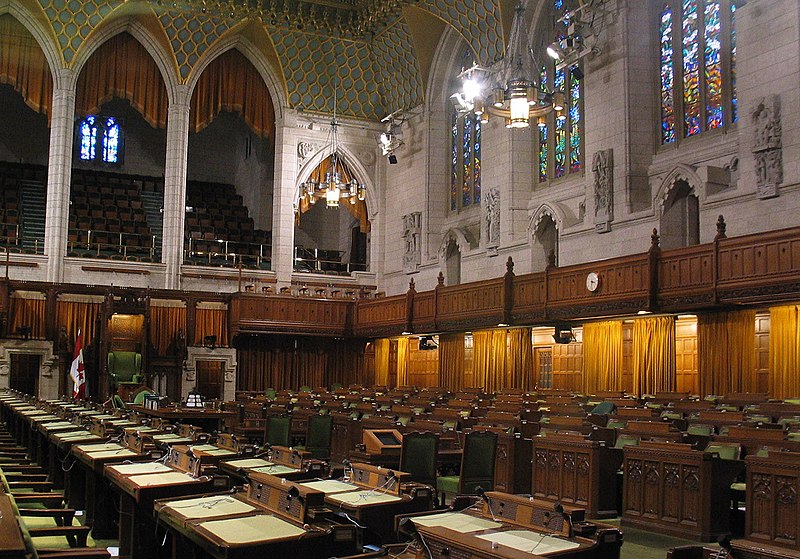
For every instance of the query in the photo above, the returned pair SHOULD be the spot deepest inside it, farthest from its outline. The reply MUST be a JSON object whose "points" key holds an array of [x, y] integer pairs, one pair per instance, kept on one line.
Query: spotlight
{"points": [[576, 72], [392, 159], [460, 103], [555, 51], [210, 342]]}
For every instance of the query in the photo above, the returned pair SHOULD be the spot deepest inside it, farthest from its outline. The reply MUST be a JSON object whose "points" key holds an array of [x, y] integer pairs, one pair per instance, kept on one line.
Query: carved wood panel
{"points": [[773, 506]]}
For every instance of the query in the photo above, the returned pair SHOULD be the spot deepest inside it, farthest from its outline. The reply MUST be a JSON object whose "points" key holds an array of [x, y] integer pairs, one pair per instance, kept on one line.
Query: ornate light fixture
{"points": [[334, 182], [513, 83]]}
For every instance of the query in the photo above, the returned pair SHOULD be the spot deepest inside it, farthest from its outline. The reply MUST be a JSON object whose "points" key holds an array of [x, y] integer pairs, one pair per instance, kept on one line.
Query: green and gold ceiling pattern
{"points": [[362, 48]]}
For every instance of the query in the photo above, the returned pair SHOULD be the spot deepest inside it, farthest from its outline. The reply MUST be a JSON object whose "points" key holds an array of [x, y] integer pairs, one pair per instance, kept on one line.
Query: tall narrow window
{"points": [[465, 154], [698, 42], [559, 141], [100, 140]]}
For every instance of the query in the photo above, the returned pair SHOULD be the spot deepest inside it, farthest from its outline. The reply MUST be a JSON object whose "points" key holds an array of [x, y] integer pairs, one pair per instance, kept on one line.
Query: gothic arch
{"points": [[272, 77], [678, 207], [680, 174], [141, 33], [546, 210], [460, 237], [544, 230], [44, 38]]}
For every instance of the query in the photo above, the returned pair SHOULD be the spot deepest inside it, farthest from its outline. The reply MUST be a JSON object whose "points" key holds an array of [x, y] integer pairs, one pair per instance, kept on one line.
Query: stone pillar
{"points": [[59, 174], [283, 200], [175, 187]]}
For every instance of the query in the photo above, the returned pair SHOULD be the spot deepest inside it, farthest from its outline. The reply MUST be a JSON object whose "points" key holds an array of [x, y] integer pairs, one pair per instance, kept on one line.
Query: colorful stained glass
{"points": [[691, 70], [111, 137], [88, 138], [734, 99], [466, 161], [667, 76], [715, 116], [454, 186], [543, 130], [476, 163], [560, 151], [574, 124]]}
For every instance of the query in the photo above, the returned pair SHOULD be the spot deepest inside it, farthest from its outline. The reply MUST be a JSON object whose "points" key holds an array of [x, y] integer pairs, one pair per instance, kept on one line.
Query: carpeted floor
{"points": [[639, 544]]}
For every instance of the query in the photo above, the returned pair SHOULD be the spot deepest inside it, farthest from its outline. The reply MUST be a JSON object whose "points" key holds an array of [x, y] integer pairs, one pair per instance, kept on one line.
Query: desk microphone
{"points": [[559, 508]]}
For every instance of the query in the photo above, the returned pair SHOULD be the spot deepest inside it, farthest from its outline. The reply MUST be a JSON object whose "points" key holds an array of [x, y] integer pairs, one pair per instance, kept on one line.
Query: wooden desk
{"points": [[576, 471], [515, 527], [672, 489], [12, 546], [210, 420]]}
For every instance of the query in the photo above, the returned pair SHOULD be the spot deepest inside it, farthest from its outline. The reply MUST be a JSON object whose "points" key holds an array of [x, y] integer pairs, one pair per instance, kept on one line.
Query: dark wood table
{"points": [[209, 420], [12, 546]]}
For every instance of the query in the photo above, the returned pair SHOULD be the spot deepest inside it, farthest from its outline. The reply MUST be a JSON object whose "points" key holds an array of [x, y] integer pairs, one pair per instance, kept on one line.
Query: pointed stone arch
{"points": [[678, 207], [544, 229], [44, 37], [455, 244]]}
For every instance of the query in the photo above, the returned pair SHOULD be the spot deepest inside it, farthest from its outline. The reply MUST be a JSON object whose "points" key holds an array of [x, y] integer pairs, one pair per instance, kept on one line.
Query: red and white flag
{"points": [[76, 371]]}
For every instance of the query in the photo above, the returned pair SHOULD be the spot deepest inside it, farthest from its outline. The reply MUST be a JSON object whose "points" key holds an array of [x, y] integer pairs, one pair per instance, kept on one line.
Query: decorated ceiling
{"points": [[376, 54]]}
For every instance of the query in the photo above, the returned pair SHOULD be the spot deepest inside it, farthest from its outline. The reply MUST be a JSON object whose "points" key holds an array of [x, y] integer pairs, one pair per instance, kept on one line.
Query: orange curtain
{"points": [[726, 352], [784, 351], [231, 83], [489, 360], [286, 362], [451, 361], [123, 68], [520, 358], [402, 361], [602, 356], [165, 322], [357, 210], [23, 65], [211, 322], [74, 315], [654, 355], [29, 313], [382, 361]]}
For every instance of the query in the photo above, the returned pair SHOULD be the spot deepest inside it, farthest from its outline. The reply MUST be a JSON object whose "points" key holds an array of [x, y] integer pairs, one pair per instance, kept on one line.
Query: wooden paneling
{"points": [[627, 357], [762, 352], [424, 312], [687, 378], [568, 366], [384, 316], [470, 305], [264, 314], [686, 275], [529, 296], [773, 508], [423, 366]]}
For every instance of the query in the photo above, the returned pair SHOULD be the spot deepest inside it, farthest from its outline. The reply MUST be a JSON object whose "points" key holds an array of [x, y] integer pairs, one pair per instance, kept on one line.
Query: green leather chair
{"points": [[138, 400], [125, 367], [277, 432], [318, 436], [477, 467], [418, 457]]}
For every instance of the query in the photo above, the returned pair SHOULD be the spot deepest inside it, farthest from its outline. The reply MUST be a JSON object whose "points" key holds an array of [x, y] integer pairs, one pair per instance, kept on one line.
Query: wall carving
{"points": [[767, 146], [412, 229], [603, 170], [195, 354], [492, 216], [48, 364]]}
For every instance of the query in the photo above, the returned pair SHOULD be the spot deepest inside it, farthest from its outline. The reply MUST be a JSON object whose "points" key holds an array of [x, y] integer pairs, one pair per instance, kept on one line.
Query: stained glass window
{"points": [[560, 136], [100, 139], [465, 152], [697, 39]]}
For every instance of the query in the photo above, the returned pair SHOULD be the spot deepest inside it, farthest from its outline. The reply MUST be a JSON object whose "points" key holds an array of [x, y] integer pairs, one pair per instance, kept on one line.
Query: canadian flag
{"points": [[76, 371]]}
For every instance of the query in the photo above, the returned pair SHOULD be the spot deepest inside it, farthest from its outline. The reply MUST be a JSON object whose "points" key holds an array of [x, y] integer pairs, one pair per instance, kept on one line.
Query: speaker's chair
{"points": [[125, 367]]}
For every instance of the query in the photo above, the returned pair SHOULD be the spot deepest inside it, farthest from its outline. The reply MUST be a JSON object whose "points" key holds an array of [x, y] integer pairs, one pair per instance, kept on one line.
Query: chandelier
{"points": [[332, 180], [510, 87]]}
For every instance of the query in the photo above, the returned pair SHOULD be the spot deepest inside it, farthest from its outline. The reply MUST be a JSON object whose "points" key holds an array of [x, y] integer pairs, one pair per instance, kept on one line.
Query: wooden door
{"points": [[210, 376], [25, 373]]}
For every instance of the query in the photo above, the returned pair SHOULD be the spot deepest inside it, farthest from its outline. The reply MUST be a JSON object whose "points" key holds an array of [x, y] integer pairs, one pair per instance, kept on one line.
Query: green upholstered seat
{"points": [[270, 393], [418, 457], [117, 402], [125, 367], [624, 440], [603, 408], [702, 430], [318, 436], [725, 451], [616, 424], [278, 431], [140, 396], [477, 466]]}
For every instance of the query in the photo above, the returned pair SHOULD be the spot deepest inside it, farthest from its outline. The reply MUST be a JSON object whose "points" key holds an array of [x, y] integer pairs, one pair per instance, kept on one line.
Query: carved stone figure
{"points": [[304, 150], [412, 256], [603, 170], [767, 146], [493, 217]]}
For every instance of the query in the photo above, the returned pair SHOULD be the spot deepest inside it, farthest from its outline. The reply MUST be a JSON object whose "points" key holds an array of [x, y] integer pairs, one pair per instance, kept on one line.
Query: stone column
{"points": [[283, 200], [175, 187], [59, 174]]}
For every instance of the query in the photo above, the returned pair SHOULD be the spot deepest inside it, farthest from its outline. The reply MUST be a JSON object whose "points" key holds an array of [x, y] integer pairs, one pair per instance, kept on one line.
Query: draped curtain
{"points": [[29, 313], [211, 322], [402, 362], [654, 355], [123, 68], [286, 362], [489, 359], [784, 352], [357, 210], [74, 315], [451, 361], [382, 362], [726, 352], [232, 83], [23, 65], [520, 358], [165, 322], [602, 356]]}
